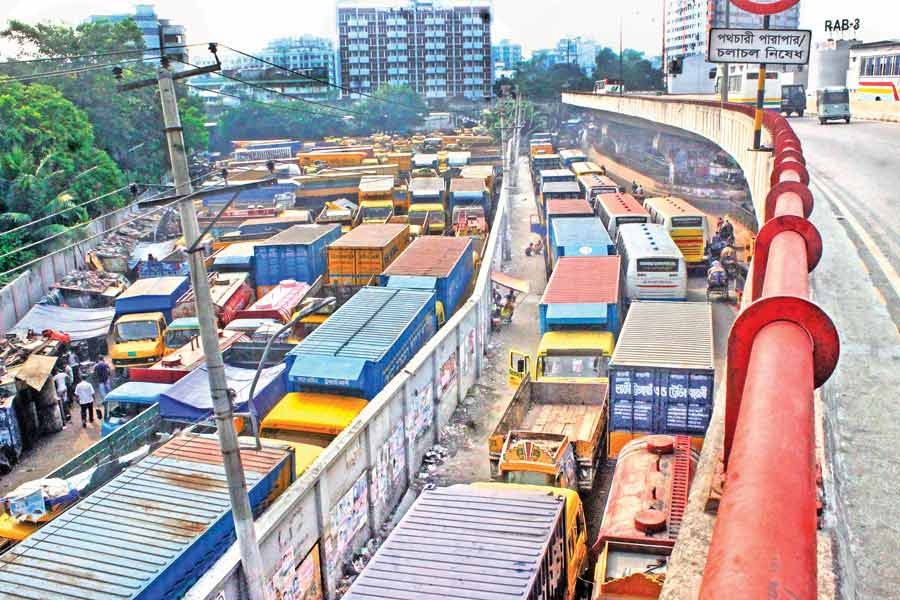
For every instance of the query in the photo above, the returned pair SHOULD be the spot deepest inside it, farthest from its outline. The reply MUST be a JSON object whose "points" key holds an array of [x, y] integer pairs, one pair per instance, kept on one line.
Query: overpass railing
{"points": [[781, 347]]}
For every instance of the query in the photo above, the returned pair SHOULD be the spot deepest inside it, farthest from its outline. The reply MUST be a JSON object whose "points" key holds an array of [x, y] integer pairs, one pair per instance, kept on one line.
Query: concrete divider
{"points": [[308, 536]]}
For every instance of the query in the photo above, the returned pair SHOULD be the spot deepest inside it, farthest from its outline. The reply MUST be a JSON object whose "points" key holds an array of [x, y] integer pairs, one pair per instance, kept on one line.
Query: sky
{"points": [[533, 23]]}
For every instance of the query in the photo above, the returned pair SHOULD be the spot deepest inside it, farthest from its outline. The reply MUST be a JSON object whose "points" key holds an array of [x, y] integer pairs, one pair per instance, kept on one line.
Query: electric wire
{"points": [[75, 71], [98, 54], [65, 210]]}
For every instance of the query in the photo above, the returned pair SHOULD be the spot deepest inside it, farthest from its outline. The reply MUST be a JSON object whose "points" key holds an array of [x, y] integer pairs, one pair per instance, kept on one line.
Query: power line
{"points": [[65, 210], [97, 54], [75, 71]]}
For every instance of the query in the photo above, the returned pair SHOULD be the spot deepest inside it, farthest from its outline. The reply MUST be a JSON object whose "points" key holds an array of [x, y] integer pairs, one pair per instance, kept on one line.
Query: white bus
{"points": [[616, 209], [652, 265]]}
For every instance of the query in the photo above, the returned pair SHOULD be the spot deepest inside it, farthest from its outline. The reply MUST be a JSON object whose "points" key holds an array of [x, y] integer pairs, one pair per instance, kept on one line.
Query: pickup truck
{"points": [[551, 434]]}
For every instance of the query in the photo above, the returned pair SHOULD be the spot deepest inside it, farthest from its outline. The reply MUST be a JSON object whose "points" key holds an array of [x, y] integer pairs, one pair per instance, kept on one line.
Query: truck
{"points": [[427, 202], [576, 236], [230, 293], [467, 193], [551, 433], [298, 253], [583, 294], [127, 401], [173, 366], [443, 265], [663, 388], [310, 418], [142, 313], [364, 253], [367, 341], [172, 522], [376, 199], [482, 540]]}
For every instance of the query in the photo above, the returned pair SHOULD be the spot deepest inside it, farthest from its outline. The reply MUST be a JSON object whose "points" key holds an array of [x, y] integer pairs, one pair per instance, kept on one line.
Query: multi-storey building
{"points": [[442, 49], [687, 24], [310, 71], [506, 55], [149, 23], [578, 51]]}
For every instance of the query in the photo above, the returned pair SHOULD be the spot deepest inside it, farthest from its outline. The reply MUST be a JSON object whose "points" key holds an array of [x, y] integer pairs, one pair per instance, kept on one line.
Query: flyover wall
{"points": [[759, 460]]}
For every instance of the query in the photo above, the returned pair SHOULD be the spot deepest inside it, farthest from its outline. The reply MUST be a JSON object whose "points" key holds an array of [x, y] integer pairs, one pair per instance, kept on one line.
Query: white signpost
{"points": [[767, 46]]}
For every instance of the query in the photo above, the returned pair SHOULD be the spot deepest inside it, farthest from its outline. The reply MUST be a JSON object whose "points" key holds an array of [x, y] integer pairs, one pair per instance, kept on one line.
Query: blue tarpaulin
{"points": [[189, 399]]}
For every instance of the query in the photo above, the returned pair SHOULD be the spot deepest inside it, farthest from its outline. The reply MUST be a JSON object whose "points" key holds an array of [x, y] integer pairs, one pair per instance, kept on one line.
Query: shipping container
{"points": [[159, 294], [279, 304], [297, 253], [576, 236], [428, 190], [149, 533], [662, 375], [466, 541], [443, 265], [583, 293], [367, 341], [230, 293], [238, 257], [273, 225], [365, 252]]}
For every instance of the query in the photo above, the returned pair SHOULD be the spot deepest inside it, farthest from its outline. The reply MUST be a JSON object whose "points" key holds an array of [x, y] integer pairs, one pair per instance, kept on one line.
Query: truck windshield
{"points": [[530, 478], [575, 366], [176, 338], [836, 97], [376, 213], [133, 331], [418, 217], [120, 412]]}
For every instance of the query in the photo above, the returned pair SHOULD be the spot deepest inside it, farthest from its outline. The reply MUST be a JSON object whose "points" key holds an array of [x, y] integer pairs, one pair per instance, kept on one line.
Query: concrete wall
{"points": [[347, 495], [19, 295], [731, 130]]}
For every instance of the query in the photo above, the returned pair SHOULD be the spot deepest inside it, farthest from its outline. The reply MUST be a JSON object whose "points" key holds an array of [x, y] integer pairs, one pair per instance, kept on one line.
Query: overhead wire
{"points": [[97, 54], [75, 71], [65, 210]]}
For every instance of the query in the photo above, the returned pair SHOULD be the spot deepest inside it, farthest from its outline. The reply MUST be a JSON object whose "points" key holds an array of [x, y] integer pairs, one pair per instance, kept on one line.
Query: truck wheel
{"points": [[800, 113], [847, 119], [821, 121]]}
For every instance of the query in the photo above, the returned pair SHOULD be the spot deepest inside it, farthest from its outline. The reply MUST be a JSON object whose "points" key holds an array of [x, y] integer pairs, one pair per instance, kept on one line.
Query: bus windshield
{"points": [[575, 366]]}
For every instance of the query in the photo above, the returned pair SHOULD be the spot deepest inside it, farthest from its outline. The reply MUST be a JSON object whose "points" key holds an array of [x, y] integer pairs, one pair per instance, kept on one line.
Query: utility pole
{"points": [[621, 60], [209, 338], [725, 66]]}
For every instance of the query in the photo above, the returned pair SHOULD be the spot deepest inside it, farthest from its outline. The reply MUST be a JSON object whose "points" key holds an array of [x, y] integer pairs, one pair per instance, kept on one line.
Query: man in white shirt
{"points": [[60, 385], [84, 393]]}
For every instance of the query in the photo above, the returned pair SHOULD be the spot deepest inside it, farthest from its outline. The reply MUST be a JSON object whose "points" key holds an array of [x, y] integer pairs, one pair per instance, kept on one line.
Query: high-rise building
{"points": [[310, 72], [149, 23], [578, 51], [506, 55], [442, 49], [687, 24]]}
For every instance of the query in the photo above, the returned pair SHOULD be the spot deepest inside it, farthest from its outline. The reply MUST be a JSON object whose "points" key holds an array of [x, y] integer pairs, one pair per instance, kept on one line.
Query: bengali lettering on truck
{"points": [[660, 401]]}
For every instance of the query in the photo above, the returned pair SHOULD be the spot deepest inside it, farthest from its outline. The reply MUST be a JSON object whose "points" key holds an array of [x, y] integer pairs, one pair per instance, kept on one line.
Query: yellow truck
{"points": [[310, 418], [377, 201], [427, 206]]}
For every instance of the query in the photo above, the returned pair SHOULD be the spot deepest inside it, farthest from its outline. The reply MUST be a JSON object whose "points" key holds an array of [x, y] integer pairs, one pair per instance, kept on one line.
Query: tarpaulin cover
{"points": [[513, 283], [78, 323], [189, 399], [36, 370]]}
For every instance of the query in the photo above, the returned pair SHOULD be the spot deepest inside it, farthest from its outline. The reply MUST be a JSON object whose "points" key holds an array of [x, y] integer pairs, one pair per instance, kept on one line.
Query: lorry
{"points": [[582, 294], [482, 540], [310, 418], [576, 236], [365, 252], [172, 367], [443, 265], [142, 312], [230, 292], [664, 388], [298, 254], [376, 199], [127, 401], [172, 522], [427, 203], [551, 433], [367, 341]]}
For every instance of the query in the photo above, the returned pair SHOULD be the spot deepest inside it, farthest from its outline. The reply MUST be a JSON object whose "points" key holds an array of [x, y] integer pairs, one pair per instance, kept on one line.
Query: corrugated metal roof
{"points": [[583, 280], [666, 334], [153, 286], [466, 184], [431, 256], [564, 206], [559, 187], [115, 542], [298, 234], [426, 185], [370, 235], [366, 326], [579, 230], [618, 204], [463, 542]]}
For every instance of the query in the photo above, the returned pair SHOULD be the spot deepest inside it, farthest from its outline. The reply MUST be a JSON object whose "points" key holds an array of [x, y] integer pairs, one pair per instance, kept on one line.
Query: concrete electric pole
{"points": [[209, 338]]}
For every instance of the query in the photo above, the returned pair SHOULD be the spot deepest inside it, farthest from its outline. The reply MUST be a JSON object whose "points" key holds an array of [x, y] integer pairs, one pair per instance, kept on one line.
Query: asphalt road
{"points": [[854, 177]]}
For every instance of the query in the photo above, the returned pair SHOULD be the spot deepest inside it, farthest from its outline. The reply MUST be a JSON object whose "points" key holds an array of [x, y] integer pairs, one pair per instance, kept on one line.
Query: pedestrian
{"points": [[70, 382], [84, 391], [101, 372], [61, 385]]}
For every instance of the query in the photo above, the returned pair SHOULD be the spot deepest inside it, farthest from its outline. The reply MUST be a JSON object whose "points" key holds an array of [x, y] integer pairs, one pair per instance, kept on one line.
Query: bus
{"points": [[652, 265], [686, 225], [569, 157], [543, 162], [617, 209], [586, 168], [593, 185], [874, 73]]}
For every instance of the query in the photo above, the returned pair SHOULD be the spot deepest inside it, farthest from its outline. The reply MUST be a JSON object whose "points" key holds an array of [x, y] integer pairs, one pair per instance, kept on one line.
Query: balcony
{"points": [[359, 72], [433, 21], [395, 34], [431, 70], [357, 22], [435, 82], [472, 45], [398, 71], [358, 47], [435, 58], [435, 46], [398, 81], [435, 33], [473, 33], [395, 22], [397, 59], [473, 57], [397, 46]]}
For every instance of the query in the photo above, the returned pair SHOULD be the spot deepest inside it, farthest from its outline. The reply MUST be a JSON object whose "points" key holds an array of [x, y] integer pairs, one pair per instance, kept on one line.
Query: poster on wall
{"points": [[468, 356], [388, 467], [420, 412], [345, 520], [307, 583], [448, 374]]}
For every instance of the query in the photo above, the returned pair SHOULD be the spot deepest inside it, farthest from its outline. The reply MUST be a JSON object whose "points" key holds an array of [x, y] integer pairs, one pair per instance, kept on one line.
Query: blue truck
{"points": [[662, 375], [367, 341], [577, 236], [443, 265], [127, 401], [158, 294], [298, 253], [149, 533]]}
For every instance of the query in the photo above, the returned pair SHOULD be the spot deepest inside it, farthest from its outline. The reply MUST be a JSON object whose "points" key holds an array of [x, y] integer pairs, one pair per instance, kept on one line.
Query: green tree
{"points": [[128, 125], [391, 109], [48, 162], [635, 69], [541, 82], [251, 120]]}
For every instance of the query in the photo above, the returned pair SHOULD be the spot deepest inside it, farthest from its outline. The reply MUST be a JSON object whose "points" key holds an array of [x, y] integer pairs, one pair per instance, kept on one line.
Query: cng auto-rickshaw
{"points": [[833, 103]]}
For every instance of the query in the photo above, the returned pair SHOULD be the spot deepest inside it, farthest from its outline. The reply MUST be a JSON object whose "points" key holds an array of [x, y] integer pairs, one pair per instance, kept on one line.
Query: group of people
{"points": [[71, 387], [503, 306], [636, 188], [723, 253]]}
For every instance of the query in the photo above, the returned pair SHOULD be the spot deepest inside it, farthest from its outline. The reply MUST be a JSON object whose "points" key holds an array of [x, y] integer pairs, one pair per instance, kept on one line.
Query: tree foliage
{"points": [[541, 82], [275, 120], [393, 109], [127, 125], [48, 162], [635, 69]]}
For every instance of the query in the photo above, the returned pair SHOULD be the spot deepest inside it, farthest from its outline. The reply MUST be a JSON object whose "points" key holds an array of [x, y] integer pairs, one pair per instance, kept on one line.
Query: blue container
{"points": [[149, 533], [443, 265], [594, 315], [298, 253], [367, 341], [579, 236], [659, 400], [127, 401], [157, 294]]}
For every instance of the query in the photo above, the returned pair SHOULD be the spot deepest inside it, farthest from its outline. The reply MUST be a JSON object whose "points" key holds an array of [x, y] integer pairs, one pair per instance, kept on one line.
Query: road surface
{"points": [[854, 179]]}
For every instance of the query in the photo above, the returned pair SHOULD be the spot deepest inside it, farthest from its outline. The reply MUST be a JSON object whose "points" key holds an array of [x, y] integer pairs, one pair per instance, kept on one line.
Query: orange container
{"points": [[365, 252]]}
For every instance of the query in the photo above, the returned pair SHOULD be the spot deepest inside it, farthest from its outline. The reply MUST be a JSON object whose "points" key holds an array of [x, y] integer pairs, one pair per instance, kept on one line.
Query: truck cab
{"points": [[137, 339], [180, 332], [427, 219], [539, 458], [376, 211], [310, 417], [793, 99], [567, 357]]}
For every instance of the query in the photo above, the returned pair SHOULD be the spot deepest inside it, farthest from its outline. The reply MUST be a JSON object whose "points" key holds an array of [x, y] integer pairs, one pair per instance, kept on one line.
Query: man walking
{"points": [[84, 393], [101, 372]]}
